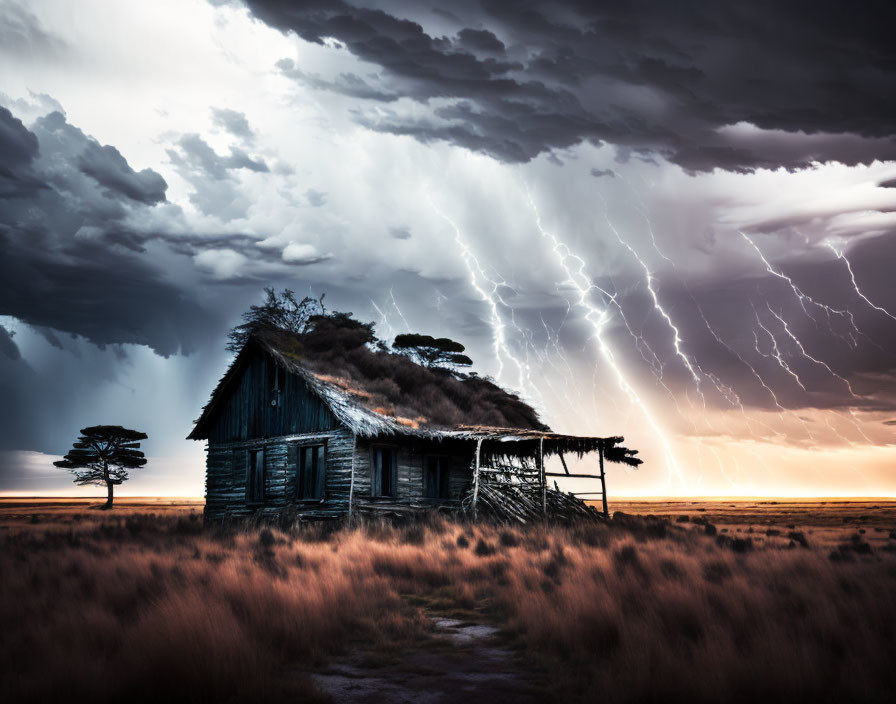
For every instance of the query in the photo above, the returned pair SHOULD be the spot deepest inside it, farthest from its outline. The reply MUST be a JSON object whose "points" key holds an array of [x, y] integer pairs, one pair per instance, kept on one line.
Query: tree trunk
{"points": [[108, 485]]}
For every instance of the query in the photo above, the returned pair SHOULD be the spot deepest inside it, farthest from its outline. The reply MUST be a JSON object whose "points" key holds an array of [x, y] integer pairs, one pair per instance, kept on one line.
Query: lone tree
{"points": [[103, 454], [432, 351], [279, 310]]}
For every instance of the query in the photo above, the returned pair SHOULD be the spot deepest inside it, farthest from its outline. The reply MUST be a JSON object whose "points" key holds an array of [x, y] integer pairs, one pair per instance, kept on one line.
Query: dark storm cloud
{"points": [[108, 167], [19, 148], [71, 258], [518, 79]]}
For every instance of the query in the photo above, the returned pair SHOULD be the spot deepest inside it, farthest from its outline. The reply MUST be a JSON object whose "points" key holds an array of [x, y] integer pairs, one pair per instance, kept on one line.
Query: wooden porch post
{"points": [[603, 481], [351, 486], [476, 477], [544, 484]]}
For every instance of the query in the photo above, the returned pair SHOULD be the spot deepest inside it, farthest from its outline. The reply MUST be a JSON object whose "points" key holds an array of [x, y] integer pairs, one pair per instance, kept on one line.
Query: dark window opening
{"points": [[255, 477], [311, 472], [384, 467], [435, 478]]}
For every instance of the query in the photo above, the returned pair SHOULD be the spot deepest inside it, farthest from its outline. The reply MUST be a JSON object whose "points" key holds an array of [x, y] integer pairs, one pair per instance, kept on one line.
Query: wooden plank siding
{"points": [[227, 471], [411, 455], [248, 412]]}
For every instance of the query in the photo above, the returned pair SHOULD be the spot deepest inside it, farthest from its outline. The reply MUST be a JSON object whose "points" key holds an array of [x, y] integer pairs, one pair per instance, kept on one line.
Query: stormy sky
{"points": [[670, 221]]}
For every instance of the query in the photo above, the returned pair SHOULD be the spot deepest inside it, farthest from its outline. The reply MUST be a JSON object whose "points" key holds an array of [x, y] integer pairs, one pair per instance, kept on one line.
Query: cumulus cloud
{"points": [[301, 253], [216, 189], [220, 263], [233, 121]]}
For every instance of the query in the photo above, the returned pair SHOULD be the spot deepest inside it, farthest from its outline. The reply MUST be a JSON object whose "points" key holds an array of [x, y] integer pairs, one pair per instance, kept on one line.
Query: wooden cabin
{"points": [[283, 435]]}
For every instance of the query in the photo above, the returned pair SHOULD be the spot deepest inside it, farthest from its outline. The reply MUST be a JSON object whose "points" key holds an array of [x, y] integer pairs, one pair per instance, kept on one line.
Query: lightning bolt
{"points": [[855, 285], [801, 296], [799, 346], [775, 351], [398, 310], [650, 281], [574, 268], [479, 280], [389, 329]]}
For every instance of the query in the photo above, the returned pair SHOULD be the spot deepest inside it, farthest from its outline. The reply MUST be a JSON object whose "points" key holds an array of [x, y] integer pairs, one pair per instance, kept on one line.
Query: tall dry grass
{"points": [[144, 607]]}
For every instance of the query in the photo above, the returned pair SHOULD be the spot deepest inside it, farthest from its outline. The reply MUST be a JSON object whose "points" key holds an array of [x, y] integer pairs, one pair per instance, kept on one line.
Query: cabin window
{"points": [[435, 478], [255, 477], [384, 470], [311, 472]]}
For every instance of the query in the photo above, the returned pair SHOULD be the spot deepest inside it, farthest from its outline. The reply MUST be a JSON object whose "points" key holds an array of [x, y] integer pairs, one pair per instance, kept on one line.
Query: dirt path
{"points": [[465, 663]]}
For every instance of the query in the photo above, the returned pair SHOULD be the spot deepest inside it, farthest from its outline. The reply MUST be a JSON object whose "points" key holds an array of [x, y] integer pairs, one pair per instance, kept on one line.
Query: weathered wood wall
{"points": [[226, 472], [248, 413], [409, 480], [227, 465]]}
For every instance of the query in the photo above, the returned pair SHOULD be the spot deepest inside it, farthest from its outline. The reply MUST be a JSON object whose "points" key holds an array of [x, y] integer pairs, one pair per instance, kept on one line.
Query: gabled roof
{"points": [[363, 389]]}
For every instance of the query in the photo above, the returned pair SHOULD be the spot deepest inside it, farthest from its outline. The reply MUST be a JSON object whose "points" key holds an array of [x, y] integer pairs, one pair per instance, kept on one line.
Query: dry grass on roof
{"points": [[340, 351]]}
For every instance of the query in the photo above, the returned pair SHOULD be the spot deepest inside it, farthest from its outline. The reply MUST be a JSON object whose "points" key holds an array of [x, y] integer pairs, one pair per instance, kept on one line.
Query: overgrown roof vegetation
{"points": [[425, 390]]}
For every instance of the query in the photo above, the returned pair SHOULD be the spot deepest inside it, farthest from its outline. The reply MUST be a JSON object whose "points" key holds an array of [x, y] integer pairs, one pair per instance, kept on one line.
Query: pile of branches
{"points": [[512, 502]]}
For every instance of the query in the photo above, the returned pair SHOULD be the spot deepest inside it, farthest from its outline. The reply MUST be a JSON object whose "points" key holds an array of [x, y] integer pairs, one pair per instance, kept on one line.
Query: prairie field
{"points": [[698, 601]]}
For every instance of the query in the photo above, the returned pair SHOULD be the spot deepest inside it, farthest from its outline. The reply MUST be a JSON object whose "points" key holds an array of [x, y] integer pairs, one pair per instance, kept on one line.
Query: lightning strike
{"points": [[598, 319], [398, 310], [775, 351], [805, 354], [802, 297], [490, 297], [855, 285]]}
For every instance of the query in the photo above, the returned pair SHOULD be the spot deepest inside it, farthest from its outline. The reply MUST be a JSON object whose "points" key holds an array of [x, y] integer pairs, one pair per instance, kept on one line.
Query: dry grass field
{"points": [[681, 601]]}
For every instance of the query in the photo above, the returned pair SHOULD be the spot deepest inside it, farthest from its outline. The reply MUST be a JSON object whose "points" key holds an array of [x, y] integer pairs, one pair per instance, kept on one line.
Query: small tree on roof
{"points": [[432, 351], [103, 454], [279, 310]]}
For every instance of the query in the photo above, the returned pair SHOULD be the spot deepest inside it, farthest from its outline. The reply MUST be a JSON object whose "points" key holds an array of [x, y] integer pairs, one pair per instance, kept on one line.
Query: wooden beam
{"points": [[563, 461], [544, 484], [581, 476], [476, 477], [351, 486], [603, 482]]}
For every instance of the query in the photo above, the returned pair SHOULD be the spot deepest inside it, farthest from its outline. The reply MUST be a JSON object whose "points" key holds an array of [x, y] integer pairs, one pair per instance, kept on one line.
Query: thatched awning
{"points": [[519, 442]]}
